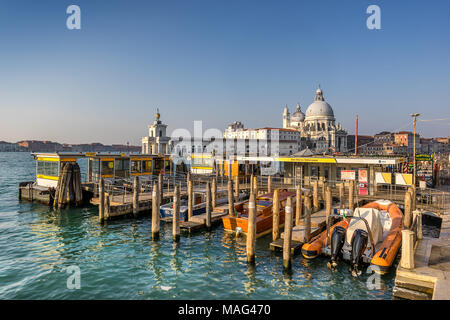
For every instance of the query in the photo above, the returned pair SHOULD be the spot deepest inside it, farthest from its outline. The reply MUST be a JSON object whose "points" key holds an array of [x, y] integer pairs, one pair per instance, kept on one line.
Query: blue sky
{"points": [[218, 61]]}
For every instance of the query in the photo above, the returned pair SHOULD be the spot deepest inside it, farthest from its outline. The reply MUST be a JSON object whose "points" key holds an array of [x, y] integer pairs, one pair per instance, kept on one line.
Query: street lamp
{"points": [[414, 115]]}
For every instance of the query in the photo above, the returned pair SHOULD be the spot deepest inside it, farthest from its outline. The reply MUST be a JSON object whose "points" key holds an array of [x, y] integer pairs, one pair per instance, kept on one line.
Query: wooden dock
{"points": [[318, 224]]}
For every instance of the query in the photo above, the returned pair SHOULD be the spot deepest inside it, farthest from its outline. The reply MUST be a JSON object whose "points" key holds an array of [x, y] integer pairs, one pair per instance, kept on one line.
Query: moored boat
{"points": [[369, 235], [198, 205], [264, 216]]}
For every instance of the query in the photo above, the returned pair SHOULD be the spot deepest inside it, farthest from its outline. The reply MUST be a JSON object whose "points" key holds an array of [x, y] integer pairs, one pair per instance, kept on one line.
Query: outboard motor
{"points": [[337, 242], [359, 244]]}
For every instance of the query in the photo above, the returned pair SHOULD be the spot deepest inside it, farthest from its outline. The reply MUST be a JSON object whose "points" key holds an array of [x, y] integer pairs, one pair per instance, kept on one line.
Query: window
{"points": [[147, 166], [47, 168], [136, 166], [107, 168]]}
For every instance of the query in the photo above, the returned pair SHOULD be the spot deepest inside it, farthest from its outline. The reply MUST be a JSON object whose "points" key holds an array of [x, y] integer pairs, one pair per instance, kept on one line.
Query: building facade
{"points": [[317, 126]]}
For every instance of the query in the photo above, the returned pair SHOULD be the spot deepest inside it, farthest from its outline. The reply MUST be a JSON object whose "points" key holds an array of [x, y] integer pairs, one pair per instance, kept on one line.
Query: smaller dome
{"points": [[298, 115]]}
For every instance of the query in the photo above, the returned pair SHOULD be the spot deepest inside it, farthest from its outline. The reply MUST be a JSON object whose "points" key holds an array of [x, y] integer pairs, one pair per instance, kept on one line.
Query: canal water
{"points": [[39, 247]]}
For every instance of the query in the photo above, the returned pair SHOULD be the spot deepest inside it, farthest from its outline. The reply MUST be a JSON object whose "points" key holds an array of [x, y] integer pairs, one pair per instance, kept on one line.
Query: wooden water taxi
{"points": [[264, 216]]}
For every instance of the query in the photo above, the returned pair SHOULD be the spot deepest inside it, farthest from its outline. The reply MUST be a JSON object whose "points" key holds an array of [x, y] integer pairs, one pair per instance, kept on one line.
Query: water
{"points": [[119, 260]]}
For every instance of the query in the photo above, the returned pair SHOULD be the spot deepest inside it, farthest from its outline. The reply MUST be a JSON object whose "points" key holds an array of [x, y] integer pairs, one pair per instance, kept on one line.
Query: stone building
{"points": [[157, 142], [317, 126]]}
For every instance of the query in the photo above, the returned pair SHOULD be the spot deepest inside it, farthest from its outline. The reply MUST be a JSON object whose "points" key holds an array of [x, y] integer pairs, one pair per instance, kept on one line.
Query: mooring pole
{"points": [[176, 214], [307, 218], [316, 196], [276, 215], [328, 200], [155, 212], [136, 196], [351, 192], [407, 218], [298, 205], [251, 231], [214, 192], [208, 205], [230, 198], [101, 204], [287, 234]]}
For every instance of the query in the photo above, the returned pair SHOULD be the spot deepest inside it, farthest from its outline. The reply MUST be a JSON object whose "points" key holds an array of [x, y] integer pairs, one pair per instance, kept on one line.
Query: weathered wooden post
{"points": [[176, 214], [230, 198], [269, 184], [407, 259], [155, 212], [324, 190], [351, 191], [251, 183], [341, 195], [307, 218], [316, 196], [101, 196], [276, 215], [255, 186], [251, 231], [136, 188], [208, 205], [236, 188], [407, 219], [287, 234], [160, 189], [214, 193], [328, 208], [417, 215], [107, 206], [190, 199], [298, 205]]}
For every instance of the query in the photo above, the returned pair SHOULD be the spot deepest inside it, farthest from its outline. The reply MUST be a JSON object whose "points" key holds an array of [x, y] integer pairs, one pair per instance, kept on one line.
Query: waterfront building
{"points": [[157, 142]]}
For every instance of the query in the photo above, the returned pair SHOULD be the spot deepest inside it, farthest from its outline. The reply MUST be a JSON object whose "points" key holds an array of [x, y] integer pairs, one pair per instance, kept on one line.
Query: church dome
{"points": [[319, 108], [298, 115]]}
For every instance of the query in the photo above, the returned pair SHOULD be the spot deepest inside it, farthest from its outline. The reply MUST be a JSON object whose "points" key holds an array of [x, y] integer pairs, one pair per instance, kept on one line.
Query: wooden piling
{"points": [[190, 200], [230, 198], [407, 219], [251, 231], [328, 208], [160, 188], [101, 205], [287, 234], [107, 206], [176, 214], [276, 215], [298, 205], [269, 184], [341, 195], [155, 211], [255, 186], [407, 259], [351, 192], [214, 192], [307, 218], [316, 196], [136, 188], [236, 188], [417, 215], [208, 205]]}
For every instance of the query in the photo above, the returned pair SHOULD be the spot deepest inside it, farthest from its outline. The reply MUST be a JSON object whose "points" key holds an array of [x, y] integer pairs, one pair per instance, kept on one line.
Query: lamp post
{"points": [[414, 115]]}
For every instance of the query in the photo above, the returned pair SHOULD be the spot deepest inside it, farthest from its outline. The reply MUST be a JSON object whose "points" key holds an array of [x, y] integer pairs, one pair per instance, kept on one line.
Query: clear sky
{"points": [[218, 61]]}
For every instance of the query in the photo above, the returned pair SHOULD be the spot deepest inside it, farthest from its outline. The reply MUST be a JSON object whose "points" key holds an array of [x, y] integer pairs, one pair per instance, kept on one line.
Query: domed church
{"points": [[317, 126]]}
